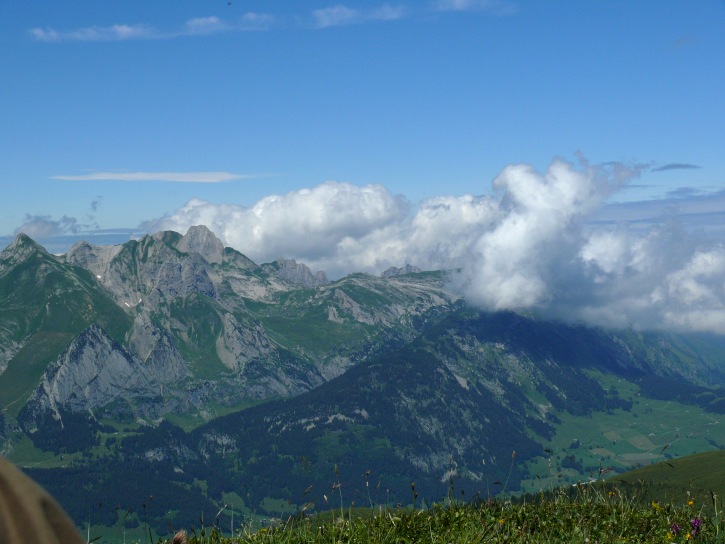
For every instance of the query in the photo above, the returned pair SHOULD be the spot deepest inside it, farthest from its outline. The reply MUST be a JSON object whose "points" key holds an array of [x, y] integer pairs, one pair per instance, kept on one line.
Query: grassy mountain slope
{"points": [[43, 306], [695, 477]]}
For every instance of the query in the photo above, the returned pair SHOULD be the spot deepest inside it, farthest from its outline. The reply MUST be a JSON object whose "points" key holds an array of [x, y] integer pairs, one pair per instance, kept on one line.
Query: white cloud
{"points": [[342, 15], [460, 5], [44, 226], [180, 177], [539, 226], [310, 223], [256, 21], [205, 25], [197, 26], [341, 228], [532, 247], [499, 7], [97, 33], [387, 12], [335, 16]]}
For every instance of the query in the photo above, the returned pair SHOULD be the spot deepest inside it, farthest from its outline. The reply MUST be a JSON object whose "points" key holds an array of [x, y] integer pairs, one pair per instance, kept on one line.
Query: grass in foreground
{"points": [[586, 514]]}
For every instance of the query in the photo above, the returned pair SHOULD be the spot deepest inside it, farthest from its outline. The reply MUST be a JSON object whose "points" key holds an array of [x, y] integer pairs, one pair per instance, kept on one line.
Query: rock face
{"points": [[152, 266], [299, 273], [19, 251], [93, 373], [239, 344], [201, 240], [393, 272]]}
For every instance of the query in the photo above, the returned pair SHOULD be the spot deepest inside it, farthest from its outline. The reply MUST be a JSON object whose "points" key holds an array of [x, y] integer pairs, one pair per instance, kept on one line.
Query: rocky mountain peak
{"points": [[199, 239], [23, 244], [20, 250]]}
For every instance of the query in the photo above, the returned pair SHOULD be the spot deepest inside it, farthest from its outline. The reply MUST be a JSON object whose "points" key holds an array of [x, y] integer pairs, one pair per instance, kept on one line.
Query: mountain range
{"points": [[258, 388]]}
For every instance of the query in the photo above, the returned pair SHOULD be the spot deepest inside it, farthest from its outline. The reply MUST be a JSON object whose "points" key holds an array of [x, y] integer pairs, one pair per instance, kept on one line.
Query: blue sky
{"points": [[131, 116]]}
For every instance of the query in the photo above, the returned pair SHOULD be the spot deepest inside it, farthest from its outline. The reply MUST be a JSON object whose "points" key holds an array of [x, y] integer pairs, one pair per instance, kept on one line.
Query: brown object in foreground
{"points": [[28, 514]]}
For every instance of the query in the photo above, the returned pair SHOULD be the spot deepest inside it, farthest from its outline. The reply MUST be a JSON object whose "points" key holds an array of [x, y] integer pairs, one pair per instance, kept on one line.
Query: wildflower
{"points": [[500, 522], [656, 506], [675, 529], [690, 502], [695, 524]]}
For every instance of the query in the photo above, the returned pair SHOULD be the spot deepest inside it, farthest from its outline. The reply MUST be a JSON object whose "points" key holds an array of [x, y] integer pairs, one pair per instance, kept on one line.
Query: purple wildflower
{"points": [[695, 524], [675, 529]]}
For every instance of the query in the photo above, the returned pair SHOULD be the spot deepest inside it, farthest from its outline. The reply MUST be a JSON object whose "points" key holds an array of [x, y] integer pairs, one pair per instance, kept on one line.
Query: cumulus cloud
{"points": [[180, 177], [544, 255], [310, 223], [541, 242]]}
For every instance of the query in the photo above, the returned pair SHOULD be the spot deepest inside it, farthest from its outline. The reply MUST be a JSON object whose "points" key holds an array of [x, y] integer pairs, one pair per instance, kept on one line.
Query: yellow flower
{"points": [[688, 536], [690, 503], [500, 522], [656, 506]]}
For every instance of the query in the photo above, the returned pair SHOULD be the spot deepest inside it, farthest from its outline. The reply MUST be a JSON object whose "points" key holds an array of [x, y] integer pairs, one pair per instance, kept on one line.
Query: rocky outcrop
{"points": [[347, 306], [393, 272], [95, 372], [95, 259], [240, 344], [298, 273]]}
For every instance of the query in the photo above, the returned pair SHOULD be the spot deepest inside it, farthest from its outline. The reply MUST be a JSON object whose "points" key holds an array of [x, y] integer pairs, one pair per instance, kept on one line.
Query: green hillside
{"points": [[695, 477], [44, 304]]}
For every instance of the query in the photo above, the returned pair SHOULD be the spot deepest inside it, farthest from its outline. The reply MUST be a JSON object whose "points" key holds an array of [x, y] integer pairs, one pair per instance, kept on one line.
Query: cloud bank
{"points": [[538, 244]]}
